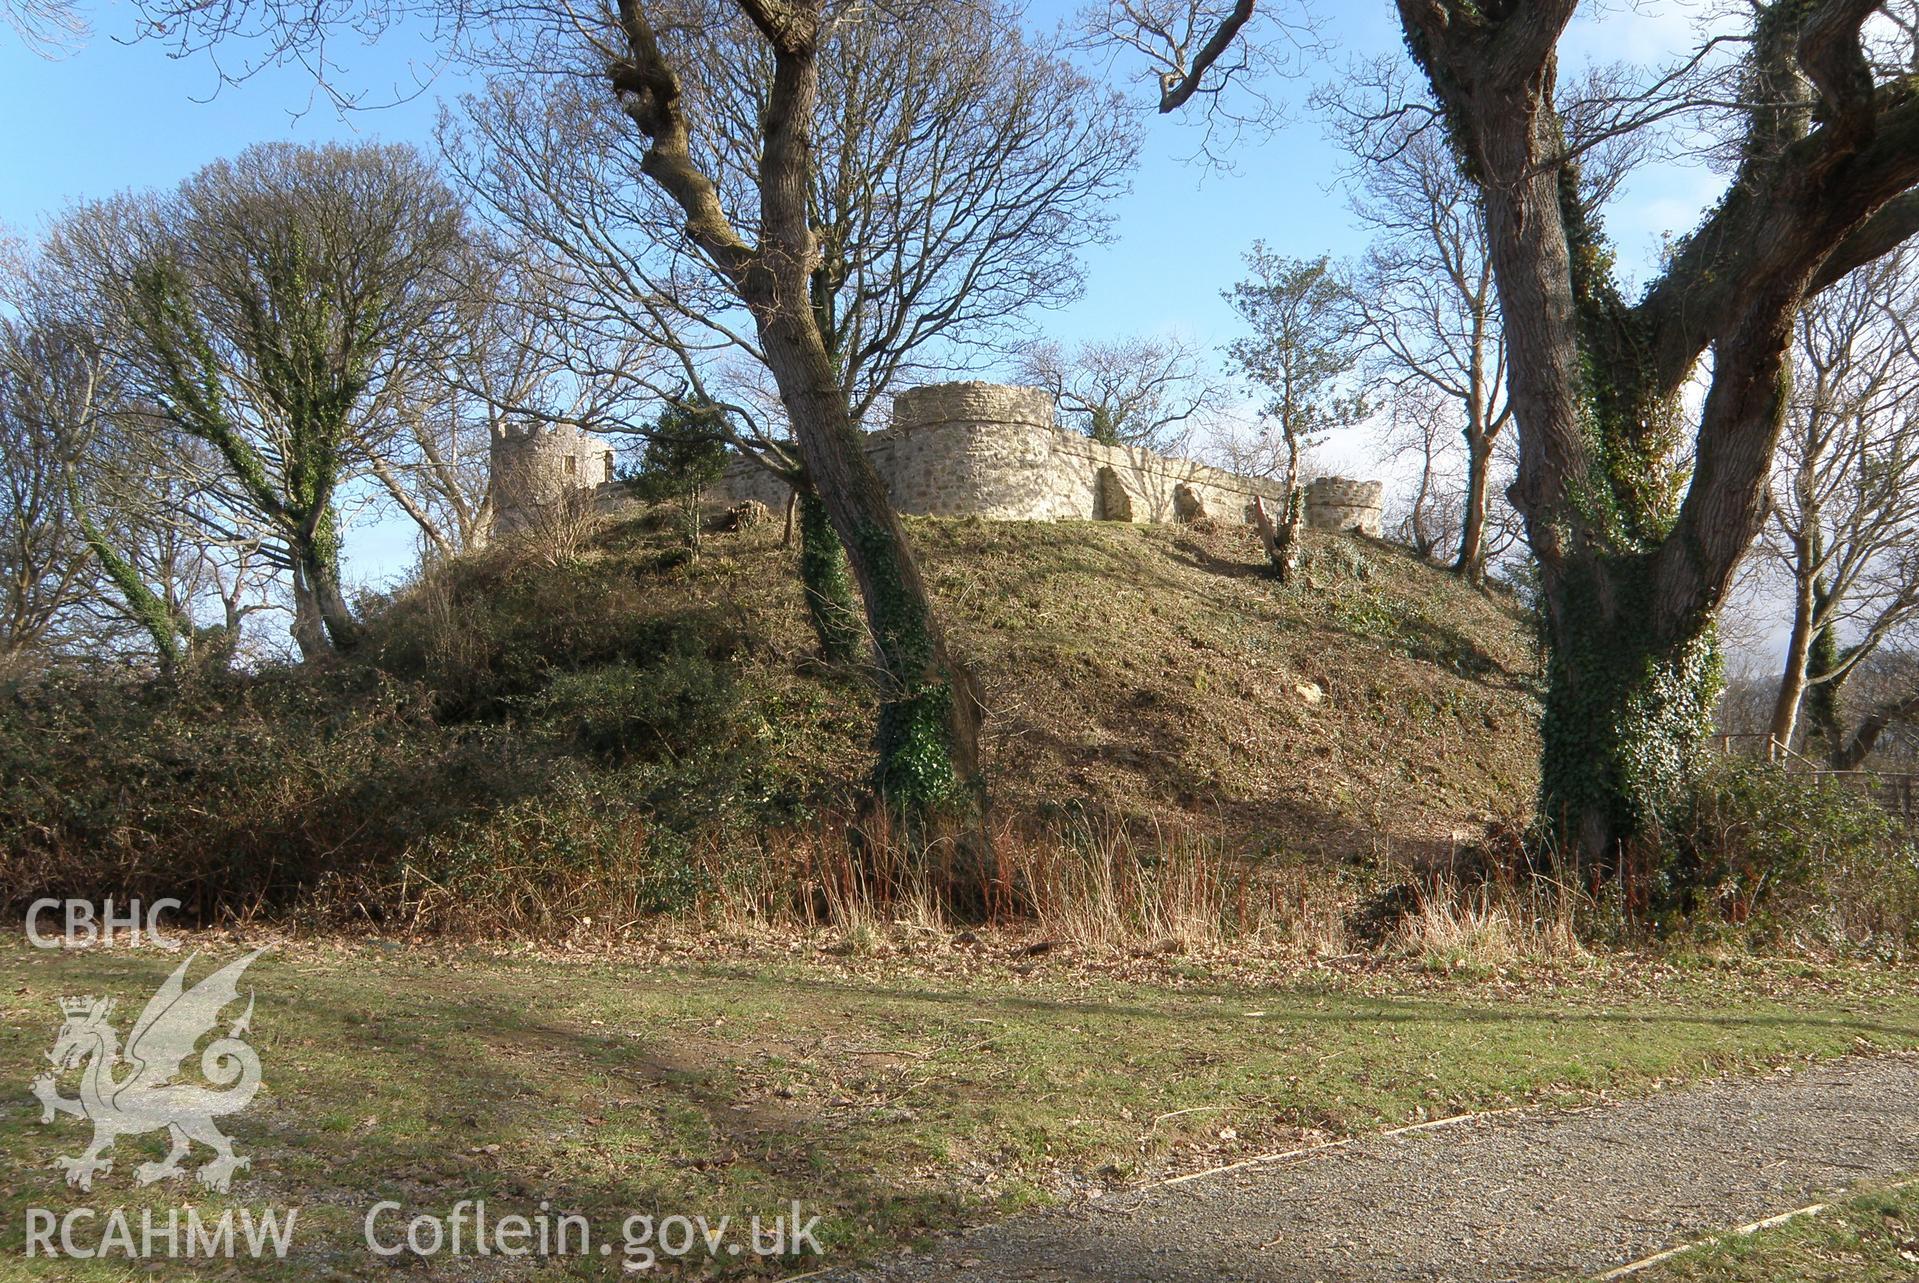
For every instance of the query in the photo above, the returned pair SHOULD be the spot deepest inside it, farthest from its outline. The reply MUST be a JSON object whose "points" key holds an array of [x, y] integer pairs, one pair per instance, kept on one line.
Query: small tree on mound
{"points": [[1302, 352], [684, 454]]}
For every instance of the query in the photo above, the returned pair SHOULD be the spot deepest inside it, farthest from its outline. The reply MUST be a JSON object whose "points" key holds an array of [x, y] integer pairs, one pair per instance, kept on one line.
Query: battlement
{"points": [[991, 450], [972, 402], [966, 449]]}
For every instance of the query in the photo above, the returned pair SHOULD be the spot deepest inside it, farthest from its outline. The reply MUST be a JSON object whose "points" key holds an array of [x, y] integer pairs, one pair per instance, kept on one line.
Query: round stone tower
{"points": [[973, 401], [1340, 503], [983, 449]]}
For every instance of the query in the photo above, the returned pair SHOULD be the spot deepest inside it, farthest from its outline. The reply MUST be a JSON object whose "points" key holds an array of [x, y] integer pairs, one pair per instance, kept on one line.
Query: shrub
{"points": [[686, 451], [234, 798], [518, 742], [489, 635], [1789, 852], [677, 696], [580, 850]]}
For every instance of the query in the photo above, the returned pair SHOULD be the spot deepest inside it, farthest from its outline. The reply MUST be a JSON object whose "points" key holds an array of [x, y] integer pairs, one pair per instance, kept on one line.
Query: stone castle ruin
{"points": [[982, 450], [537, 470]]}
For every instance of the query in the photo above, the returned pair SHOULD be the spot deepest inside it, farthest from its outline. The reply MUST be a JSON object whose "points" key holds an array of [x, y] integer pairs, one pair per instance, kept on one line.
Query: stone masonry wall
{"points": [[988, 450], [534, 467]]}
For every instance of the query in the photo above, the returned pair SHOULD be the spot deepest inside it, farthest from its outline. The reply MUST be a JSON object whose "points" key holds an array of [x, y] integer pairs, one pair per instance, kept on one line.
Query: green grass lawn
{"points": [[890, 1098], [1871, 1237]]}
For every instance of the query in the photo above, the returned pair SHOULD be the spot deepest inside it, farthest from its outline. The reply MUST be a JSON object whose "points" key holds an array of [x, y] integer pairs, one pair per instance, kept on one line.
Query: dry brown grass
{"points": [[1488, 926], [1158, 677], [1102, 890], [1184, 756]]}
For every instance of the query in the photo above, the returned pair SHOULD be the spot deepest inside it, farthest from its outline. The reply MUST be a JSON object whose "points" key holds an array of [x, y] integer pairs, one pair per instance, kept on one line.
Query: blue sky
{"points": [[112, 115]]}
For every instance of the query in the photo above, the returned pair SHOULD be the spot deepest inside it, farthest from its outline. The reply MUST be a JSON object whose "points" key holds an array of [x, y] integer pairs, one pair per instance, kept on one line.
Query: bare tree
{"points": [[1845, 523], [969, 165], [767, 253], [1420, 435], [832, 196], [46, 571], [756, 244], [1147, 390], [48, 27], [182, 574], [1426, 308], [1637, 518], [1302, 354], [1877, 720], [1226, 53], [434, 467], [503, 359], [1635, 559], [67, 411], [131, 501]]}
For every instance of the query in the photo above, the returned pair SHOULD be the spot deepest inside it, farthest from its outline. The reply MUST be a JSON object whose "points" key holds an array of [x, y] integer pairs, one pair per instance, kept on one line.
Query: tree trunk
{"points": [[1285, 550], [319, 554], [928, 738], [1423, 540], [1281, 538], [215, 647], [1851, 753], [1471, 562], [1625, 715], [1792, 678], [830, 605], [323, 581], [163, 627], [928, 735], [930, 712], [1823, 689], [1635, 561], [309, 629]]}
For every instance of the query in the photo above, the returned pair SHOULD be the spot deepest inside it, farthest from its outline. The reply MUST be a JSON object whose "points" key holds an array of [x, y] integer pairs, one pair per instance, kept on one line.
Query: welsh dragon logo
{"points": [[145, 1098]]}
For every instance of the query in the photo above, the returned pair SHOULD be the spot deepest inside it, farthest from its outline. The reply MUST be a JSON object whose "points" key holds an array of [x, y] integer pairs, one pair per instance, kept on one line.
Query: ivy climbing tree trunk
{"points": [[1825, 678], [1849, 751], [309, 629], [1635, 557], [290, 485], [319, 551], [164, 627], [929, 723], [830, 604], [278, 303]]}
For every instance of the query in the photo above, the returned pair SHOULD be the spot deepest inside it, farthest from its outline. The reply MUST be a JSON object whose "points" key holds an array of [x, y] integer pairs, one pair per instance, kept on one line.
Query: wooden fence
{"points": [[1897, 791]]}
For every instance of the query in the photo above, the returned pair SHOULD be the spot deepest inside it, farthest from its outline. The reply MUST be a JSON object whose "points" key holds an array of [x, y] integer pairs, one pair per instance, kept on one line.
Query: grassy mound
{"points": [[625, 730]]}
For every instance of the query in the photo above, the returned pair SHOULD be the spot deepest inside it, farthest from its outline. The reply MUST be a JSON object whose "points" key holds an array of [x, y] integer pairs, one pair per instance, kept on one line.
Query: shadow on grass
{"points": [[397, 1084]]}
